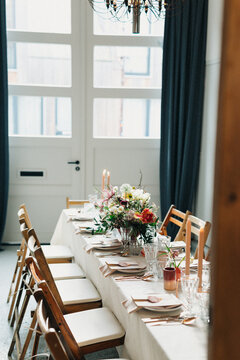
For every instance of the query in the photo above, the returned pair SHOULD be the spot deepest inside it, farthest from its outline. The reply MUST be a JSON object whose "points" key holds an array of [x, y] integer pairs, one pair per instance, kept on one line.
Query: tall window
{"points": [[40, 70], [123, 88], [126, 79]]}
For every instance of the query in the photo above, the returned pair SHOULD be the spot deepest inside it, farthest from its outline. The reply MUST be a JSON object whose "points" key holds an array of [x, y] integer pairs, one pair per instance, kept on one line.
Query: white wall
{"points": [[206, 176]]}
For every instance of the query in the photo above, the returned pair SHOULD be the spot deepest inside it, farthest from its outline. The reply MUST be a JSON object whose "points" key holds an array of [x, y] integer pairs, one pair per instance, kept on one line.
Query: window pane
{"points": [[133, 118], [105, 24], [39, 116], [117, 66], [39, 15], [42, 64]]}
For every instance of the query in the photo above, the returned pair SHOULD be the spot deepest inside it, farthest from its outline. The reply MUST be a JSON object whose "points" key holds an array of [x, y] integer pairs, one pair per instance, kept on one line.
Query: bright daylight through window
{"points": [[123, 92]]}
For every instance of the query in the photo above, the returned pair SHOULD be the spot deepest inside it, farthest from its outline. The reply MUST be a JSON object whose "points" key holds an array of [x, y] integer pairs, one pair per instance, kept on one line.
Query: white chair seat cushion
{"points": [[56, 252], [66, 271], [94, 326], [77, 291]]}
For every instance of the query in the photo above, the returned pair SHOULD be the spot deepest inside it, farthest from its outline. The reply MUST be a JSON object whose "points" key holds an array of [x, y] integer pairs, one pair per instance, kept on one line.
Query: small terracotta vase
{"points": [[178, 273]]}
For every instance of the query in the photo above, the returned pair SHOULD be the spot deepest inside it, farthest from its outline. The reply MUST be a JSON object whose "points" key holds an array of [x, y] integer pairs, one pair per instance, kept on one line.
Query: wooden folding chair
{"points": [[72, 294], [48, 328], [196, 225], [70, 202], [178, 218], [53, 253], [82, 332]]}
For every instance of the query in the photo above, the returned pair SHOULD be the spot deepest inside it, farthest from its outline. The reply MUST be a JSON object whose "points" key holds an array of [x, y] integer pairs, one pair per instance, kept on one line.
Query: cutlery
{"points": [[183, 321]]}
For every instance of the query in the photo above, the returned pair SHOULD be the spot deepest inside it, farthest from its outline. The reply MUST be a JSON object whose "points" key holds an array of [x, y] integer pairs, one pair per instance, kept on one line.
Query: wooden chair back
{"points": [[49, 332], [70, 202], [23, 215], [196, 225], [178, 218], [44, 272], [54, 312]]}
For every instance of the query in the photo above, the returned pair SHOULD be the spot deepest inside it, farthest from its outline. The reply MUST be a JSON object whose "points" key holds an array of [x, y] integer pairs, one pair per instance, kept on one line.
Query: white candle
{"points": [[200, 257], [103, 179], [188, 247]]}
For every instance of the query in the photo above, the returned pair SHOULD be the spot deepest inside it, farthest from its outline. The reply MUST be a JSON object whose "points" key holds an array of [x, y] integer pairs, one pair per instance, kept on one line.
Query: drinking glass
{"points": [[163, 241], [161, 264], [169, 277], [151, 251], [206, 277], [203, 298], [189, 289]]}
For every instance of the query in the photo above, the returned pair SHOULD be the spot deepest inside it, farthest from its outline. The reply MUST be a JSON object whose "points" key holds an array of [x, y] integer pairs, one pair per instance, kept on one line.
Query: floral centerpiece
{"points": [[129, 208]]}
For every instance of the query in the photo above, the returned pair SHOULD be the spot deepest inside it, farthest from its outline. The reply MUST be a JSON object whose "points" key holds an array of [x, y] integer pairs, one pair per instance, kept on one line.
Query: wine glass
{"points": [[189, 288]]}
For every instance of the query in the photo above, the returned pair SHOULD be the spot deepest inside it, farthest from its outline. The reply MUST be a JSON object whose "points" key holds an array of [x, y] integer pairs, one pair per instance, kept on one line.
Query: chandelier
{"points": [[124, 10]]}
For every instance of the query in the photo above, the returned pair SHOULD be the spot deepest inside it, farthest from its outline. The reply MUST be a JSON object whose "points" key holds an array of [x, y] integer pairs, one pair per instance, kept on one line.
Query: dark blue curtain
{"points": [[184, 51], [4, 161]]}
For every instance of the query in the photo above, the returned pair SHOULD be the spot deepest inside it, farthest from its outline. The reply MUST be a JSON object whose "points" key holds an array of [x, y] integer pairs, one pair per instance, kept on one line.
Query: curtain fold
{"points": [[4, 155], [183, 73]]}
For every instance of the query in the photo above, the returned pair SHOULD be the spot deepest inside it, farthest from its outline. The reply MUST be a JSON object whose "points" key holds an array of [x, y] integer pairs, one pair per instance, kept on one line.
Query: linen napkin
{"points": [[177, 245], [109, 268], [193, 264], [81, 217], [161, 301], [103, 243], [83, 227]]}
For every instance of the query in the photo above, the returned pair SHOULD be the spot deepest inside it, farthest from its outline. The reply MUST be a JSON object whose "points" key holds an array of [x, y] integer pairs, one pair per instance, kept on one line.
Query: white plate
{"points": [[162, 310], [107, 247], [132, 271]]}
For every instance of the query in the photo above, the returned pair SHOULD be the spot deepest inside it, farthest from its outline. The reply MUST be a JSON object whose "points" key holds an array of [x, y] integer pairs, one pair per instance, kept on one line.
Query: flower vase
{"points": [[135, 246], [125, 234], [178, 273]]}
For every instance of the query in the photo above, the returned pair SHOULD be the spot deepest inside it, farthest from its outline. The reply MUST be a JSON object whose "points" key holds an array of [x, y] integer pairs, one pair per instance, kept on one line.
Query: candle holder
{"points": [[169, 278]]}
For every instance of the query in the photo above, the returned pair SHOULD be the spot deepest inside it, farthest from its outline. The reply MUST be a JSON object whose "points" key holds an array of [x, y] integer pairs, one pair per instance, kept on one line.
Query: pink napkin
{"points": [[137, 302], [110, 268]]}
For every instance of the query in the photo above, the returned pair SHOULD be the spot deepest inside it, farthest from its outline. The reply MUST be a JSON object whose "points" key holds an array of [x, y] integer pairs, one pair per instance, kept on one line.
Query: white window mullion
{"points": [[28, 90], [36, 37], [127, 93], [108, 40]]}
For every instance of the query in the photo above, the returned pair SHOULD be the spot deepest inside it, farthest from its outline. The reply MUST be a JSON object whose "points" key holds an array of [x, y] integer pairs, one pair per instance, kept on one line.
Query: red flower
{"points": [[147, 216]]}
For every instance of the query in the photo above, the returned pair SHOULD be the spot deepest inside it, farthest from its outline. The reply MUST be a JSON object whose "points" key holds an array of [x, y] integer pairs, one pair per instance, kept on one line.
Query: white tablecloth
{"points": [[142, 342]]}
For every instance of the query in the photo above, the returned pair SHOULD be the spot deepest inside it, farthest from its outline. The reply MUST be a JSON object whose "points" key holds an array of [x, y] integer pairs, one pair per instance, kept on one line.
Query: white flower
{"points": [[121, 208], [125, 188], [115, 189], [137, 194], [146, 196]]}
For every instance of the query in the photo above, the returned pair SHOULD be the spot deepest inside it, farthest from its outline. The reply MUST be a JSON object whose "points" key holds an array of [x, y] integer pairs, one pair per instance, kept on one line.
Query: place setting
{"points": [[126, 267], [103, 243], [157, 302]]}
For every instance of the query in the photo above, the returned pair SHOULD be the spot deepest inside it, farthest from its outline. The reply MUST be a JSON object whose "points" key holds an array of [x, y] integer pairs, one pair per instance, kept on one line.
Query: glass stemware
{"points": [[151, 251], [189, 288]]}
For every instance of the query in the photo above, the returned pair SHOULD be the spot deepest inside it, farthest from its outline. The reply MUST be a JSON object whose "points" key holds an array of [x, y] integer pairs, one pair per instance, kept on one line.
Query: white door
{"points": [[77, 93], [46, 110]]}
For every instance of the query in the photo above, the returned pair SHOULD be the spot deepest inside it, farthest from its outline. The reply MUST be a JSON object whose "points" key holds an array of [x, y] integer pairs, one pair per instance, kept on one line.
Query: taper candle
{"points": [[188, 247], [108, 178], [200, 257], [103, 179]]}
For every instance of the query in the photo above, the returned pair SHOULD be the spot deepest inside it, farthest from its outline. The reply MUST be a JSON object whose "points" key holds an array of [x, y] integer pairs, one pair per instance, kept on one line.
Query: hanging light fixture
{"points": [[123, 10]]}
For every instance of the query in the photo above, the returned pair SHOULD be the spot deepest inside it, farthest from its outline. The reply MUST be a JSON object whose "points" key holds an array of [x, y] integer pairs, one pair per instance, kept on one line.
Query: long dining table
{"points": [[142, 341]]}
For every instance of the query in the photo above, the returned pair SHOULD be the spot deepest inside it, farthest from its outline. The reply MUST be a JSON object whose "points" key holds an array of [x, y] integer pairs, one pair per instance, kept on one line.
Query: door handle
{"points": [[77, 162]]}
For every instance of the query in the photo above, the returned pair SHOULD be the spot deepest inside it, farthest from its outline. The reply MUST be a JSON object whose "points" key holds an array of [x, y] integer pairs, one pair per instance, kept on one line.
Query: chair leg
{"points": [[36, 342], [17, 290], [19, 322], [20, 253], [17, 303], [28, 338], [12, 283]]}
